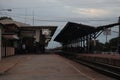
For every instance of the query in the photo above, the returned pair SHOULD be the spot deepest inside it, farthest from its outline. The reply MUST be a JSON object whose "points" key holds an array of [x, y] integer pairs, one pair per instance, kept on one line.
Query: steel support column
{"points": [[90, 43], [87, 43]]}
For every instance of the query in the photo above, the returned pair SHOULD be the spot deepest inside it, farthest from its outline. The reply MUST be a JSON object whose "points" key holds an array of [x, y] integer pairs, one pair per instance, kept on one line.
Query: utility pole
{"points": [[25, 15], [119, 37], [33, 16]]}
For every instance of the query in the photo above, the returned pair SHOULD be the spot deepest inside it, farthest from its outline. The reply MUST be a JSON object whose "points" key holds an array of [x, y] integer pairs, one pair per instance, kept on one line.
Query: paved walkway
{"points": [[42, 67], [9, 62]]}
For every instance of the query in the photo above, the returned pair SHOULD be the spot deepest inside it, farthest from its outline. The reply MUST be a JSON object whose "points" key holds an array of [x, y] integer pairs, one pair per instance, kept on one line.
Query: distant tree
{"points": [[98, 47], [5, 17], [107, 47], [114, 43]]}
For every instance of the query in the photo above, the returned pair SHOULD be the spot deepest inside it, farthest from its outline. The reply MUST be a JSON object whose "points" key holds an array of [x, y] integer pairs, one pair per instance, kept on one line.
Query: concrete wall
{"points": [[3, 51], [8, 51], [28, 33]]}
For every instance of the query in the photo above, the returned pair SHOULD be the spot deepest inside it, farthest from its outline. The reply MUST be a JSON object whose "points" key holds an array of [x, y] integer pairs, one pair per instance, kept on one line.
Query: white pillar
{"points": [[37, 35]]}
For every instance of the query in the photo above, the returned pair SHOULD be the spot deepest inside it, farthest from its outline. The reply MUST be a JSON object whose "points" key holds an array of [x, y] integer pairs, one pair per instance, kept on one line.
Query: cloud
{"points": [[91, 12], [80, 11], [66, 8], [91, 3], [28, 3]]}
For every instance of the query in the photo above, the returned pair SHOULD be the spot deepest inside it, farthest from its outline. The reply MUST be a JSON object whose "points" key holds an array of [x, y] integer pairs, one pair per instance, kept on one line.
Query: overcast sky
{"points": [[59, 12]]}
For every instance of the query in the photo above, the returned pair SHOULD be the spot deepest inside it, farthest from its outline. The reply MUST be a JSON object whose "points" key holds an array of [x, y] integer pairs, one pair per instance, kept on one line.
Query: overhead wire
{"points": [[22, 16]]}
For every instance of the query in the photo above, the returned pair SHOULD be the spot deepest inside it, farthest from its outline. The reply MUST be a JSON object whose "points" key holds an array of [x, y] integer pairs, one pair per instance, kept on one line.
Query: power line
{"points": [[115, 31], [55, 20]]}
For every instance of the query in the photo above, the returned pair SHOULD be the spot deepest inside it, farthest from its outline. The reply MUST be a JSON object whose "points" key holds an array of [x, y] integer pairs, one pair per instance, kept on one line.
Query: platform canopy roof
{"points": [[73, 31]]}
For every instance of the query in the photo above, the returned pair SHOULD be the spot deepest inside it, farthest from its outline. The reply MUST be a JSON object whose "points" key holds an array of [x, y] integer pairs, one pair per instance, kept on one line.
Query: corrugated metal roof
{"points": [[8, 21], [73, 31]]}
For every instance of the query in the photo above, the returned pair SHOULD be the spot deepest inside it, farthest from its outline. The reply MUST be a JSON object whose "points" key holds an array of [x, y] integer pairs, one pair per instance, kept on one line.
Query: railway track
{"points": [[109, 70], [106, 69]]}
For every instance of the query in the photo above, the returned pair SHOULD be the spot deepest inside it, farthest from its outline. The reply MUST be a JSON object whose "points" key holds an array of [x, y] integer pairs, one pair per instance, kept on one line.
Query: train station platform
{"points": [[45, 67]]}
